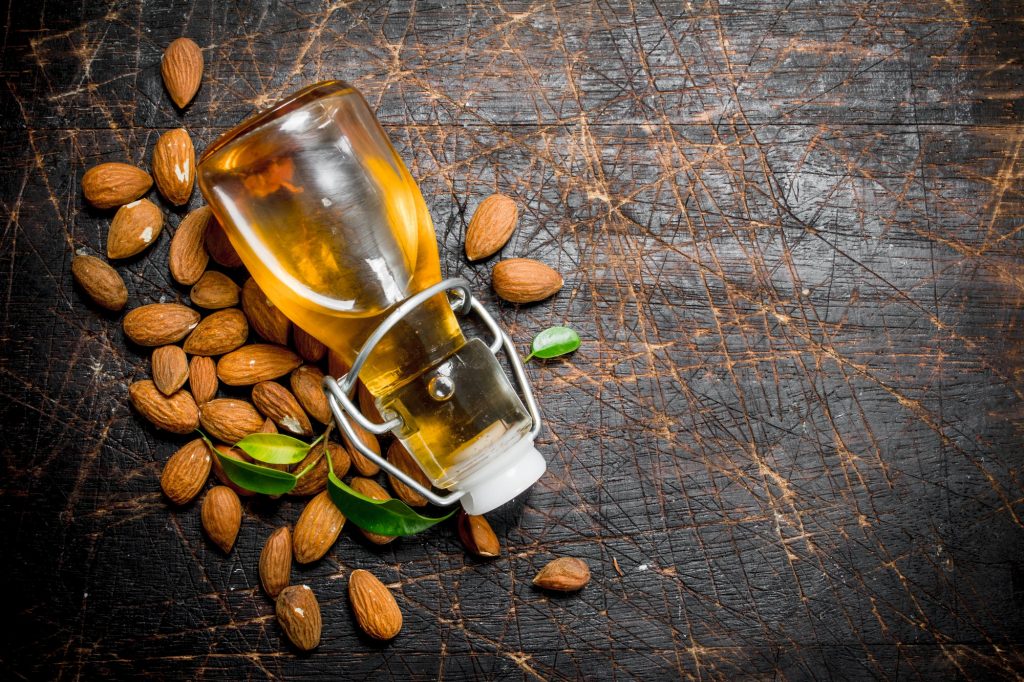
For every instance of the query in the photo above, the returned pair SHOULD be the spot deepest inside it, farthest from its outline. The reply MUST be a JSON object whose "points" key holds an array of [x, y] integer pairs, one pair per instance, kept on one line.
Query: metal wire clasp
{"points": [[339, 391]]}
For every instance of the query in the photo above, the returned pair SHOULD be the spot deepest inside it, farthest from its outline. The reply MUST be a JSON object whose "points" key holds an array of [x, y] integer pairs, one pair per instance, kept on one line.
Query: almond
{"points": [[566, 574], [182, 70], [336, 366], [101, 282], [477, 536], [159, 324], [202, 379], [255, 363], [134, 227], [186, 471], [219, 246], [276, 561], [170, 368], [214, 290], [491, 226], [220, 332], [269, 426], [265, 318], [222, 516], [188, 257], [374, 606], [308, 346], [277, 402], [218, 468], [174, 166], [523, 280], [368, 405], [175, 413], [114, 184], [298, 613], [373, 490], [230, 420], [315, 480], [399, 457], [361, 462], [307, 385], [317, 529]]}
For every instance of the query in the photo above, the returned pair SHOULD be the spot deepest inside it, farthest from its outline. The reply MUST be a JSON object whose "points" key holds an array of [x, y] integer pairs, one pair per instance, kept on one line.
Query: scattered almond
{"points": [[399, 457], [315, 480], [277, 402], [298, 613], [202, 378], [218, 468], [307, 385], [566, 574], [159, 324], [266, 319], [317, 529], [308, 346], [491, 226], [336, 366], [174, 166], [101, 282], [175, 413], [276, 561], [229, 420], [214, 290], [374, 606], [477, 536], [255, 363], [220, 332], [523, 280], [269, 426], [182, 70], [135, 226], [186, 471], [219, 246], [361, 462], [222, 516], [368, 405], [114, 184], [188, 257], [372, 489], [170, 368]]}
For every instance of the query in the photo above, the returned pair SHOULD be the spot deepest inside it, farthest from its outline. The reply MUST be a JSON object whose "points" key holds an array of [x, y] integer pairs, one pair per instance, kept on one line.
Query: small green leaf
{"points": [[553, 342], [384, 517], [256, 478], [273, 448]]}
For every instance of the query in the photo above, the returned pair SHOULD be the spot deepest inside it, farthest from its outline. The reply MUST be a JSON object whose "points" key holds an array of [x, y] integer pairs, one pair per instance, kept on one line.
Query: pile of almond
{"points": [[227, 333]]}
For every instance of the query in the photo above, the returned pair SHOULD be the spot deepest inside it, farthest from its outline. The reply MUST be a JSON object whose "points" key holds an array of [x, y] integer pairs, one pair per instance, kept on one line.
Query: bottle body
{"points": [[333, 228]]}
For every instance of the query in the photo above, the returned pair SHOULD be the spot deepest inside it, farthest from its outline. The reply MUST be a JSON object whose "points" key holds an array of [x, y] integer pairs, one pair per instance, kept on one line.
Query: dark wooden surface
{"points": [[791, 238]]}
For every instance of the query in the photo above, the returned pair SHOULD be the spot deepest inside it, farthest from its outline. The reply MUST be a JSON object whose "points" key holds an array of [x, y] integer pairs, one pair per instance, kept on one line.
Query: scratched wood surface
{"points": [[791, 238]]}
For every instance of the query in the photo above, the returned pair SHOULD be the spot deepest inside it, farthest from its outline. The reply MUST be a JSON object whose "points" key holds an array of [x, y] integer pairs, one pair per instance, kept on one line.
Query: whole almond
{"points": [[298, 613], [186, 471], [188, 257], [101, 282], [255, 363], [170, 368], [219, 246], [277, 402], [229, 420], [159, 324], [374, 606], [373, 490], [315, 480], [175, 413], [114, 184], [222, 516], [135, 226], [317, 529], [214, 290], [269, 426], [368, 405], [307, 385], [491, 226], [399, 457], [523, 280], [265, 318], [182, 70], [361, 462], [336, 366], [218, 468], [308, 346], [566, 574], [276, 561], [219, 332], [477, 536], [174, 166], [202, 378]]}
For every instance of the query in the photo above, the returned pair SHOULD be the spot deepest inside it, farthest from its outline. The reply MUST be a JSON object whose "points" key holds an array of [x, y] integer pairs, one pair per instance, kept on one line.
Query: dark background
{"points": [[791, 235]]}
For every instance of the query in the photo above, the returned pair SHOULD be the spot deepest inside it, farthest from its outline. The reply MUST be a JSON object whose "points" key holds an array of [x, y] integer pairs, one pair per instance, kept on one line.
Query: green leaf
{"points": [[273, 448], [256, 478], [384, 517], [553, 342]]}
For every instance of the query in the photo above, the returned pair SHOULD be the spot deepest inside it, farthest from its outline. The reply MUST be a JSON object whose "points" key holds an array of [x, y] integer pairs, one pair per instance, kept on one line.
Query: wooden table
{"points": [[790, 446]]}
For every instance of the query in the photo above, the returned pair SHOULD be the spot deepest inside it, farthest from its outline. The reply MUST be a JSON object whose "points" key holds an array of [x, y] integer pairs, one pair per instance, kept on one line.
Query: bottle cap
{"points": [[512, 472]]}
